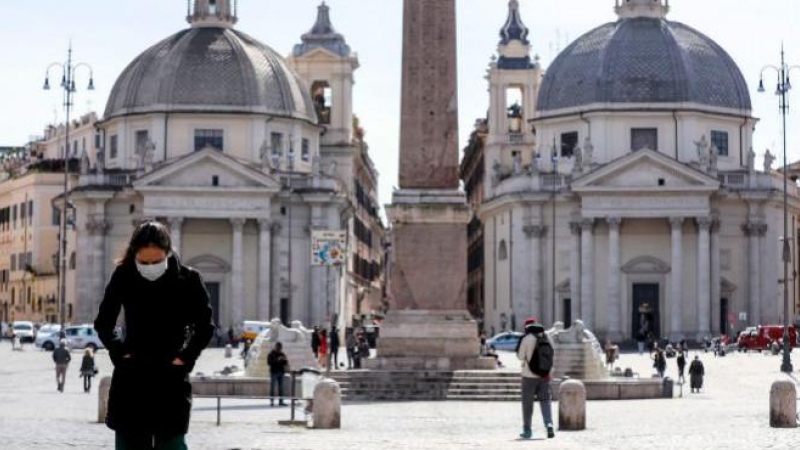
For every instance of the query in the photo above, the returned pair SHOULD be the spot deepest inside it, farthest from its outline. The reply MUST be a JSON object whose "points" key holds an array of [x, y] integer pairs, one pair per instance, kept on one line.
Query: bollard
{"points": [[228, 351], [783, 404], [327, 412], [572, 405], [102, 399]]}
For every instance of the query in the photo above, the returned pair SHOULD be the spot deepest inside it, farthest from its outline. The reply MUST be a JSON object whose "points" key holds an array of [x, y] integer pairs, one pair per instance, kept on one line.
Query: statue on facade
{"points": [[517, 164], [702, 152], [149, 154], [263, 155], [751, 161], [101, 160], [533, 169], [577, 160], [588, 153], [769, 159], [713, 158], [290, 158], [84, 162]]}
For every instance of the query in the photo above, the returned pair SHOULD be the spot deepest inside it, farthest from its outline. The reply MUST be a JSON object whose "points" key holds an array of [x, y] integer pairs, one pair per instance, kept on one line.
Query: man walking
{"points": [[335, 347], [62, 358], [277, 362], [350, 343], [536, 354]]}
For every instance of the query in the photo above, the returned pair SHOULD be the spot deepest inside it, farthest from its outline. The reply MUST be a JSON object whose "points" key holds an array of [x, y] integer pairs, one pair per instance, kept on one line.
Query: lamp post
{"points": [[68, 70], [554, 159], [781, 90]]}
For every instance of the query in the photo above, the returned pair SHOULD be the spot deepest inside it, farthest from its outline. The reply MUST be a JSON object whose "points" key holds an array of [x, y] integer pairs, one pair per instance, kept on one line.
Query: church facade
{"points": [[620, 186], [247, 156]]}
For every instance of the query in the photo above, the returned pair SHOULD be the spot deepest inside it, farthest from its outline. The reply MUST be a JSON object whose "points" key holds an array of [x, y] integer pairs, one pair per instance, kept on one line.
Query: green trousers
{"points": [[148, 442]]}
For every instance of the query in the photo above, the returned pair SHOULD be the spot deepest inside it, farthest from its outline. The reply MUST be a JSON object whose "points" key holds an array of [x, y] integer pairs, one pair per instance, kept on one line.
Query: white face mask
{"points": [[152, 272]]}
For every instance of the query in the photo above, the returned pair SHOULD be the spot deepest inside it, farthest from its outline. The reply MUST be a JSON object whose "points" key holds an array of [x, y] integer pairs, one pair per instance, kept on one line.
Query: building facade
{"points": [[245, 155], [621, 185]]}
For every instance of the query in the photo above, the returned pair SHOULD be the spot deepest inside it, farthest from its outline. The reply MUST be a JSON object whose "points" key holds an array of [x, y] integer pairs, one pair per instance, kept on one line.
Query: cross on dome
{"points": [[654, 9]]}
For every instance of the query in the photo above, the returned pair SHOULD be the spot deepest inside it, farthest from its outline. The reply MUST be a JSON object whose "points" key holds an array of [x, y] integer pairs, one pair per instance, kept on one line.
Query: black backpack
{"points": [[541, 362]]}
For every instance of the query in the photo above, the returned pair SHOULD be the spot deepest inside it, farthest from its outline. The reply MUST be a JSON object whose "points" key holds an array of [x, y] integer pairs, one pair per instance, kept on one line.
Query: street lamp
{"points": [[782, 88], [68, 86]]}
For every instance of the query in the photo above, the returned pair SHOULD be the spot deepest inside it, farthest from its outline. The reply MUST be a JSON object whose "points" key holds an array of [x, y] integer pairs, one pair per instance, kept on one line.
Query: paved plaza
{"points": [[731, 413]]}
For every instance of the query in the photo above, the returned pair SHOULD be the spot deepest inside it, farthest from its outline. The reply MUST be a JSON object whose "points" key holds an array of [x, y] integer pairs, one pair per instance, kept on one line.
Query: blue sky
{"points": [[108, 34]]}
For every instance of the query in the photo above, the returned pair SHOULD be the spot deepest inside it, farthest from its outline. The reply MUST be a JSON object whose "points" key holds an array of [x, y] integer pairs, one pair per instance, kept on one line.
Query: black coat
{"points": [[164, 319]]}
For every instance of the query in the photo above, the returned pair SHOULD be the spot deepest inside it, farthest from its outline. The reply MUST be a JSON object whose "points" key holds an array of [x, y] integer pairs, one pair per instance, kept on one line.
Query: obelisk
{"points": [[428, 326]]}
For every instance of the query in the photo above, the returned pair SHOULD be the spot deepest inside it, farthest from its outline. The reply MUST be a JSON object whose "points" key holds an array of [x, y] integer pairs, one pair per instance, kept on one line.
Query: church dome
{"points": [[643, 58], [210, 69]]}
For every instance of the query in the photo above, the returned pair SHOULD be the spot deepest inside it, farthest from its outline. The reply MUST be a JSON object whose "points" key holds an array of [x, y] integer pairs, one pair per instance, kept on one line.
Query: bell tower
{"points": [[212, 13]]}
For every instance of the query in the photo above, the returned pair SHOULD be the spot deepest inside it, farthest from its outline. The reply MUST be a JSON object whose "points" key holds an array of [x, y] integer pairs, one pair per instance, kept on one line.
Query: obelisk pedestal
{"points": [[428, 326]]}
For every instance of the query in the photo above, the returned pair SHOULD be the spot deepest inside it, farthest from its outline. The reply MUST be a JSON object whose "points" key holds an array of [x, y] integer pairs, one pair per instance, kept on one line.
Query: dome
{"points": [[643, 60], [210, 69]]}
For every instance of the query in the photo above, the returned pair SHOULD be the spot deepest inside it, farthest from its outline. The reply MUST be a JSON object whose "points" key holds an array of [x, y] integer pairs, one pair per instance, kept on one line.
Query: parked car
{"points": [[505, 341], [24, 330], [759, 338], [48, 328], [78, 337]]}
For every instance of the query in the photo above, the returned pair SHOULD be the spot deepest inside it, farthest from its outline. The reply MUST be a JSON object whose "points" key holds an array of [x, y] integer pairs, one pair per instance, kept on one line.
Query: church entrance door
{"points": [[645, 318]]}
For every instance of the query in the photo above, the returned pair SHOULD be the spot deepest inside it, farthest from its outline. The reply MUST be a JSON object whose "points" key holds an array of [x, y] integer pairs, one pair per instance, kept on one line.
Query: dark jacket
{"points": [[315, 340], [87, 365], [277, 362], [164, 319], [61, 356], [335, 340]]}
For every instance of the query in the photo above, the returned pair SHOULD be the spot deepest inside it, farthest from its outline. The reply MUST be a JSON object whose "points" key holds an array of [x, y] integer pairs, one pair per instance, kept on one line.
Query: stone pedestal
{"points": [[327, 411], [429, 340], [296, 343], [572, 406], [102, 398], [783, 404]]}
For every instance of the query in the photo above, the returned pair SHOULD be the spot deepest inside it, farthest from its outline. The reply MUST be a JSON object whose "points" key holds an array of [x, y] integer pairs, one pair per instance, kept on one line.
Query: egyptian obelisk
{"points": [[428, 326]]}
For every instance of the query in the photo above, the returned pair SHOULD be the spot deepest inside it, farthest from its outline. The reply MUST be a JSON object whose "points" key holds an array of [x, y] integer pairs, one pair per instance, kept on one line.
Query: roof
{"points": [[210, 69], [322, 35], [643, 60]]}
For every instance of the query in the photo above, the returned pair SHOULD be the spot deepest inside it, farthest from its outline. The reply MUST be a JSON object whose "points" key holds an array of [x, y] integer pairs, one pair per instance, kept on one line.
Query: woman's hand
{"points": [[178, 362]]}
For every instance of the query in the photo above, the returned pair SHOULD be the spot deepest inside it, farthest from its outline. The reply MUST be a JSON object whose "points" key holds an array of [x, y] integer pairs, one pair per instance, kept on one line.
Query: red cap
{"points": [[530, 321]]}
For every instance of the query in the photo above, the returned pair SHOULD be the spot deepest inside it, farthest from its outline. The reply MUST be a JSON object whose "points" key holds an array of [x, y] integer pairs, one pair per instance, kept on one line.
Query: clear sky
{"points": [[108, 34]]}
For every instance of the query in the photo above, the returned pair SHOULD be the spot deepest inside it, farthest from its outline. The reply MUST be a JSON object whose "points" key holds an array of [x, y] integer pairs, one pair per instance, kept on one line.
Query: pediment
{"points": [[202, 169], [645, 170]]}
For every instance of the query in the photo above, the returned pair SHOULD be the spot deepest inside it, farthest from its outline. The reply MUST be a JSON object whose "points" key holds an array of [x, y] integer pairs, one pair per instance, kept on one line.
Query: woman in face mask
{"points": [[168, 322]]}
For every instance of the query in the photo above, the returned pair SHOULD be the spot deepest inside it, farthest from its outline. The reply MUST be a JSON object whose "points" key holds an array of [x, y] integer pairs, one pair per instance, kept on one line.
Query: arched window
{"points": [[72, 261], [502, 252], [322, 94]]}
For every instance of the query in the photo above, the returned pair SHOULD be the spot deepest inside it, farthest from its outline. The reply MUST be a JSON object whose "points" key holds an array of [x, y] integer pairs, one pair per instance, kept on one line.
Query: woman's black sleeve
{"points": [[201, 320], [106, 319]]}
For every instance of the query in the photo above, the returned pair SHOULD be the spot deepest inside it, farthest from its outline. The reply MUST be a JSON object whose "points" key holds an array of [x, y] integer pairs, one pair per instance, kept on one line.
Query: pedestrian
{"points": [[363, 347], [681, 366], [696, 373], [62, 358], [350, 344], [640, 340], [611, 354], [323, 348], [277, 362], [659, 362], [535, 352], [315, 341], [231, 336], [246, 350], [88, 369], [168, 322], [15, 344], [484, 349], [335, 347]]}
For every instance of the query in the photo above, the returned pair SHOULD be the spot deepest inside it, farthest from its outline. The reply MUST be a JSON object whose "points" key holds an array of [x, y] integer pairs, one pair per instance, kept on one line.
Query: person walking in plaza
{"points": [[168, 322], [88, 370], [535, 352], [681, 361], [315, 341], [696, 374], [363, 348], [334, 349], [323, 349], [277, 362], [62, 358], [350, 344], [659, 362]]}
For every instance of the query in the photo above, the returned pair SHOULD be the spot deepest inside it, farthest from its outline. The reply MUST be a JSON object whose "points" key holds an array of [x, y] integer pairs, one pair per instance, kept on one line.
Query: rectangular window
{"points": [[97, 140], [75, 148], [83, 144], [23, 212], [142, 137], [569, 141], [56, 217], [13, 262], [14, 215], [305, 151], [719, 139], [208, 138], [644, 138], [276, 143], [112, 147], [30, 212]]}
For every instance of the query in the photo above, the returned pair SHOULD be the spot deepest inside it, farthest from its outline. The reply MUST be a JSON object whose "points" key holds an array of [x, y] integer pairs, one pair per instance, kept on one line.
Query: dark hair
{"points": [[148, 233]]}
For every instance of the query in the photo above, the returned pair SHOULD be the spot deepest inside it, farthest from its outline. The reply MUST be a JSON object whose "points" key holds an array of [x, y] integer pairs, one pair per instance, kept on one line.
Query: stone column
{"points": [[587, 272], [614, 280], [575, 270], [716, 277], [536, 233], [237, 272], [98, 229], [752, 230], [276, 265], [264, 268], [703, 277], [676, 277], [175, 228]]}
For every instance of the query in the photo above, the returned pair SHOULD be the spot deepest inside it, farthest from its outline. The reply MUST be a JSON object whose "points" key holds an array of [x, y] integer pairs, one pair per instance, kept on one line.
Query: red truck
{"points": [[760, 338]]}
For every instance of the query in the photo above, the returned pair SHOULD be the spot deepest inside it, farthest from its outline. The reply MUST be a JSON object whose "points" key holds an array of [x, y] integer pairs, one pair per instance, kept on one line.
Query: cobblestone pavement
{"points": [[731, 413]]}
